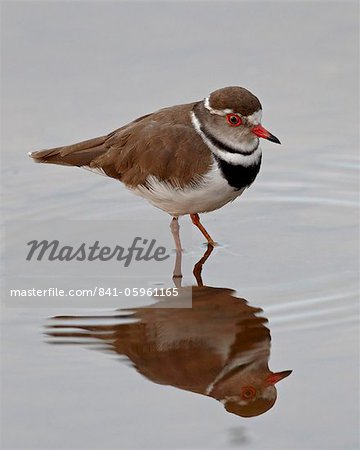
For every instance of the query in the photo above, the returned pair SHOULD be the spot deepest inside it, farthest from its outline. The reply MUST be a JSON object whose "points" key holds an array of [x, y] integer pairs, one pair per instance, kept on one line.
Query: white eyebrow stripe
{"points": [[254, 118], [219, 112]]}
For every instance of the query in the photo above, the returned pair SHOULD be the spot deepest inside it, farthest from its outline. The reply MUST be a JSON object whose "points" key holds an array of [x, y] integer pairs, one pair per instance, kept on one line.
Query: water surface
{"points": [[280, 292]]}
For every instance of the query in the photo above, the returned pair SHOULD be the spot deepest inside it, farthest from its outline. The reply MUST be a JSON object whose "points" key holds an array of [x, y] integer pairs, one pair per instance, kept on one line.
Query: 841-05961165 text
{"points": [[97, 291]]}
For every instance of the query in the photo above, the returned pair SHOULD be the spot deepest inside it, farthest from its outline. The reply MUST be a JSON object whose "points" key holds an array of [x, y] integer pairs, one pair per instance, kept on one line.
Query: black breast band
{"points": [[238, 176]]}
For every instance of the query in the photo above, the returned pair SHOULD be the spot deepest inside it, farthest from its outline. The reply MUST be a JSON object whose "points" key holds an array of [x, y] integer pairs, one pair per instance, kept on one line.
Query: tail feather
{"points": [[80, 154]]}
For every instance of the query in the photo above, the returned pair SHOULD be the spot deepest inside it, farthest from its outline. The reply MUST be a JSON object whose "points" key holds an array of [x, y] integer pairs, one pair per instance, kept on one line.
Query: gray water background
{"points": [[75, 70]]}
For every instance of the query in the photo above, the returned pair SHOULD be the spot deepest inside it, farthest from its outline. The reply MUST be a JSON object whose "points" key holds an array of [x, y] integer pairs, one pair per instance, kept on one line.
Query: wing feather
{"points": [[162, 144]]}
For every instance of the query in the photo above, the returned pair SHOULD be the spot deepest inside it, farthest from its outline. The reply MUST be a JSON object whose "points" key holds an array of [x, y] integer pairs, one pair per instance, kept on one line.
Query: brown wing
{"points": [[163, 144]]}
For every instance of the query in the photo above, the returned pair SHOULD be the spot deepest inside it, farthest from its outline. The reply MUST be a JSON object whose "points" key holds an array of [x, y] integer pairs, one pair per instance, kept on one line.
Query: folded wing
{"points": [[162, 144]]}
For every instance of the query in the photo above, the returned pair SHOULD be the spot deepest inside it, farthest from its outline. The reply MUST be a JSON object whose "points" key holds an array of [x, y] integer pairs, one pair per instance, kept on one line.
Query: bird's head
{"points": [[231, 117], [255, 395]]}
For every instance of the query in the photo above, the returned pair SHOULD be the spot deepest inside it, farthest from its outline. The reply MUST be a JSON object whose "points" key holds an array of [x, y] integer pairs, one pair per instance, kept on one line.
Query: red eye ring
{"points": [[233, 120], [248, 392]]}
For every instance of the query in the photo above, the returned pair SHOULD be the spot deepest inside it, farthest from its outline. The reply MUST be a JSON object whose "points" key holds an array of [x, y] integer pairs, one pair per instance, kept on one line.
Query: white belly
{"points": [[210, 193]]}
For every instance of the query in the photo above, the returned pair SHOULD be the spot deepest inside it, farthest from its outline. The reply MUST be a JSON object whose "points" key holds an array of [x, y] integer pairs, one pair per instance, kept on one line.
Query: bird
{"points": [[185, 159], [218, 348]]}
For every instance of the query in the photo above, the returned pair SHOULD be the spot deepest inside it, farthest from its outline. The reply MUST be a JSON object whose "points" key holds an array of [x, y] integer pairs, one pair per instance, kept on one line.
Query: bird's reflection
{"points": [[219, 348]]}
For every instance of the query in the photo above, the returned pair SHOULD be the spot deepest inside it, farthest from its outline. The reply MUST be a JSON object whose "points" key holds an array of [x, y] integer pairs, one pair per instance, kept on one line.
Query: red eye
{"points": [[248, 392], [233, 120]]}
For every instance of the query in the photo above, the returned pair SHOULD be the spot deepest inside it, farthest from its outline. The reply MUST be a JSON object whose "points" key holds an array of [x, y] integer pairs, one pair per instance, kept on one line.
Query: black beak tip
{"points": [[273, 138]]}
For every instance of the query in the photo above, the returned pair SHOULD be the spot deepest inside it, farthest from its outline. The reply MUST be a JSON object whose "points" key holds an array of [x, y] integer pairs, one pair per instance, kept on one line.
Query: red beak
{"points": [[278, 376], [261, 132]]}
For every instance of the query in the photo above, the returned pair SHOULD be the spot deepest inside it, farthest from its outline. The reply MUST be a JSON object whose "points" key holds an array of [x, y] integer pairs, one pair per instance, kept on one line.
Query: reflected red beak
{"points": [[261, 132], [274, 378]]}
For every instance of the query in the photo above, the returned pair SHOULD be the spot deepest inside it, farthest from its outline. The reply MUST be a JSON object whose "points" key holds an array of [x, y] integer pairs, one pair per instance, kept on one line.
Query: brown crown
{"points": [[238, 99]]}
